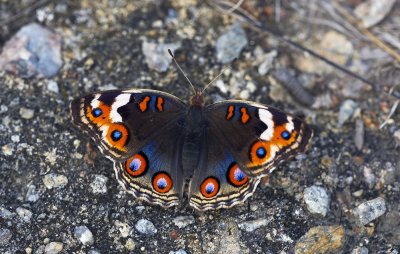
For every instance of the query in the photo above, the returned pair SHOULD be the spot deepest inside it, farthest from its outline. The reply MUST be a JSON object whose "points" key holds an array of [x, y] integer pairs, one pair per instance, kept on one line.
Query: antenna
{"points": [[173, 57], [213, 80]]}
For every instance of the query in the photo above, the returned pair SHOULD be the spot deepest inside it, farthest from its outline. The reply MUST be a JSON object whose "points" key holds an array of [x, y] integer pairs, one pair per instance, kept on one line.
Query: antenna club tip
{"points": [[170, 53]]}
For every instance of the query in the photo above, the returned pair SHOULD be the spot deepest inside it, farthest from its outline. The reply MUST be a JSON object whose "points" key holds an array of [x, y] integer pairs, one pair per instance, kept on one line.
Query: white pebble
{"points": [[53, 248], [26, 113], [55, 181], [84, 235], [99, 184], [183, 221], [145, 227], [52, 86], [250, 226], [24, 214], [317, 200], [370, 210]]}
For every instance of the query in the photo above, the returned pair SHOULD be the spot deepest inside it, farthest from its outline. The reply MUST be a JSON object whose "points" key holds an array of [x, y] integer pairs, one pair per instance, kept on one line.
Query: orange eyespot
{"points": [[162, 182], [136, 165], [236, 176], [259, 153], [99, 115], [283, 137], [210, 187], [117, 136]]}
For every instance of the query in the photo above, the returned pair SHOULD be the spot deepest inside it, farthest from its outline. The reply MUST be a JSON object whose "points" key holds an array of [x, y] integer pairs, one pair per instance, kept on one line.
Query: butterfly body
{"points": [[163, 148]]}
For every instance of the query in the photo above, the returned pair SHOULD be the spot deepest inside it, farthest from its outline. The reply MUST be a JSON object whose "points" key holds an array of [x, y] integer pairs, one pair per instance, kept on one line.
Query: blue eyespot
{"points": [[239, 175], [116, 135], [209, 188], [162, 183], [261, 152], [97, 112], [135, 165], [285, 135]]}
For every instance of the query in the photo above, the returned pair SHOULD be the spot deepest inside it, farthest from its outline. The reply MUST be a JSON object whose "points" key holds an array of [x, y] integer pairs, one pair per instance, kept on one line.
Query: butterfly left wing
{"points": [[140, 130]]}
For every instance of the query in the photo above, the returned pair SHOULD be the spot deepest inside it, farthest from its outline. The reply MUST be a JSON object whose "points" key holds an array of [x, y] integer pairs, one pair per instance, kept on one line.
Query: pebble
{"points": [[93, 252], [5, 213], [321, 239], [359, 134], [230, 44], [267, 63], [7, 149], [370, 210], [183, 221], [130, 244], [317, 200], [346, 111], [145, 227], [360, 250], [52, 86], [250, 226], [53, 248], [178, 252], [26, 113], [84, 235], [55, 181], [5, 236], [336, 47], [15, 138], [371, 12], [32, 195], [24, 214], [33, 51], [123, 228], [369, 176], [157, 56], [99, 184], [396, 136]]}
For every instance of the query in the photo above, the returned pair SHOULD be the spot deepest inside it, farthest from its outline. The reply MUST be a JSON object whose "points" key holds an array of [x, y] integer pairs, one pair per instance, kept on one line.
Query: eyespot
{"points": [[285, 135], [136, 165], [96, 112], [162, 182], [261, 152], [210, 187], [236, 176], [116, 135]]}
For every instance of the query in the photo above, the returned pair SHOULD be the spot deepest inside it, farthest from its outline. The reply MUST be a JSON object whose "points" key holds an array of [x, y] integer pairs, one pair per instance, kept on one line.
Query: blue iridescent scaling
{"points": [[97, 112], [116, 135], [285, 135], [261, 152]]}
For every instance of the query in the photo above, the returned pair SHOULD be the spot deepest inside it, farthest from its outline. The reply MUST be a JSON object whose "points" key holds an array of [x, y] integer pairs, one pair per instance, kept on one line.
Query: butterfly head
{"points": [[197, 99]]}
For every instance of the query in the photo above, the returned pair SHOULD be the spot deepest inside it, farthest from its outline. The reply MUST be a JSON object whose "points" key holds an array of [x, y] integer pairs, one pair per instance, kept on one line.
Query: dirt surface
{"points": [[58, 193]]}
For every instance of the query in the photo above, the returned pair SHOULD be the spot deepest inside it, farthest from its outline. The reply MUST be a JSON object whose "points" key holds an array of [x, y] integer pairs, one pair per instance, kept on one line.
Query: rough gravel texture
{"points": [[58, 193]]}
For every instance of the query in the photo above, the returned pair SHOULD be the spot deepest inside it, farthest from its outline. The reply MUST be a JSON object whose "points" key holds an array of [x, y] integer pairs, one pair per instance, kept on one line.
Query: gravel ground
{"points": [[58, 193]]}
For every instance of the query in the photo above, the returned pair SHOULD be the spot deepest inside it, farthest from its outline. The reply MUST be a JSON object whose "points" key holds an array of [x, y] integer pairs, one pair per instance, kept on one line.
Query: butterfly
{"points": [[162, 147]]}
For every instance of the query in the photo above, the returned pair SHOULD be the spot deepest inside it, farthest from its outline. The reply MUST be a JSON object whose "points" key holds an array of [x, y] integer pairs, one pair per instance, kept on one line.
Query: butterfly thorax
{"points": [[197, 99], [193, 132]]}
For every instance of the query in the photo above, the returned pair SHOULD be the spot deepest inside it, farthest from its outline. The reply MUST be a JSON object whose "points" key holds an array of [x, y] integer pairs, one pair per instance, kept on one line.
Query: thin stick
{"points": [[213, 80], [173, 57]]}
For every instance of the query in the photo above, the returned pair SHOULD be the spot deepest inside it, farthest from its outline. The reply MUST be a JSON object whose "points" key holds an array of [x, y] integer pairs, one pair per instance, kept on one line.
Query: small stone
{"points": [[24, 214], [130, 244], [178, 252], [34, 51], [84, 235], [52, 86], [99, 184], [337, 47], [369, 176], [7, 149], [53, 248], [359, 134], [183, 221], [32, 195], [372, 12], [346, 111], [55, 181], [370, 210], [321, 239], [250, 226], [267, 63], [5, 213], [317, 200], [123, 228], [230, 44], [26, 113], [5, 236], [15, 138], [396, 135], [157, 56], [145, 227], [360, 250]]}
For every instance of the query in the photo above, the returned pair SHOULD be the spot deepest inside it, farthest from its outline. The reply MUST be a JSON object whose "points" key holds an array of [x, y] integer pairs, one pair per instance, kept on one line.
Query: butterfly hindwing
{"points": [[258, 136]]}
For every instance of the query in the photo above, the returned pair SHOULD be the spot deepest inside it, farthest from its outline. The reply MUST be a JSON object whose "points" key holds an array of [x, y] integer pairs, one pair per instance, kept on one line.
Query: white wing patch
{"points": [[266, 117], [95, 102], [120, 100], [289, 126]]}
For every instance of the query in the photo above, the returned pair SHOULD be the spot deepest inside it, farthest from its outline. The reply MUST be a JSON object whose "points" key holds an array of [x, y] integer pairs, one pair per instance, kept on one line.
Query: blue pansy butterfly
{"points": [[163, 148]]}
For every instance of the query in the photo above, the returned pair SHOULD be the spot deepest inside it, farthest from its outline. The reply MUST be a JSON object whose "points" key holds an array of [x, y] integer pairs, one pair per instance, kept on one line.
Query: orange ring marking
{"points": [[232, 173], [162, 177], [210, 181], [140, 162], [119, 144]]}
